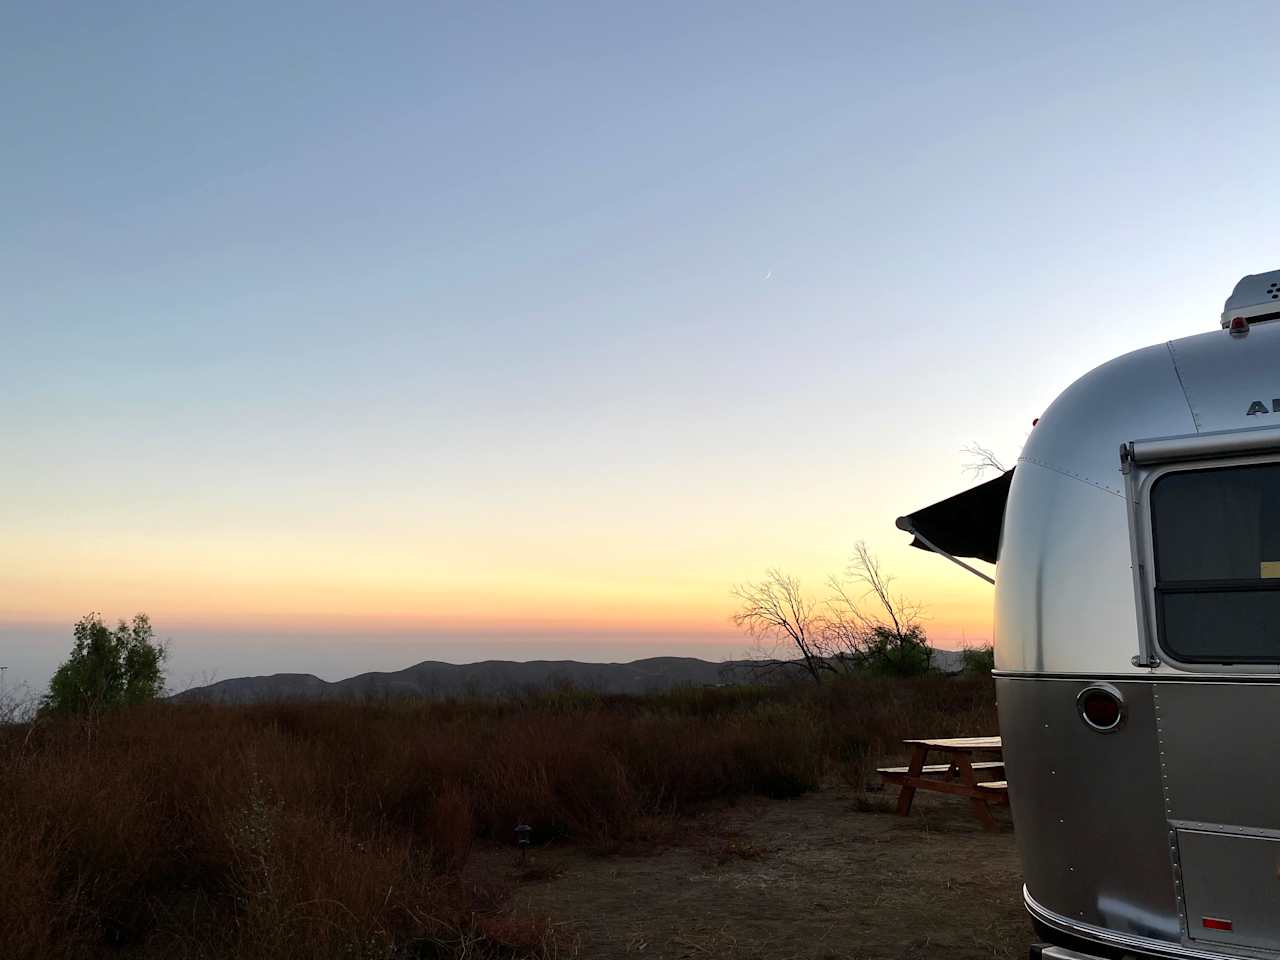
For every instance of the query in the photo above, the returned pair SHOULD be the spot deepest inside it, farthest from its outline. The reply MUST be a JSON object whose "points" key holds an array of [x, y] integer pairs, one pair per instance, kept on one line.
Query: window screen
{"points": [[1216, 535]]}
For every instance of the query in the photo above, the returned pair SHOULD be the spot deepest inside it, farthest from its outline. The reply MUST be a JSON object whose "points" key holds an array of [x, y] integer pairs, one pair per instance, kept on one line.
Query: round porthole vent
{"points": [[1101, 707]]}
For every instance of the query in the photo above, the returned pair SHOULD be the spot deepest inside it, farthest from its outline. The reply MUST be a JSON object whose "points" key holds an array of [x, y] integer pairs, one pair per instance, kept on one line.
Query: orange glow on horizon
{"points": [[605, 573], [954, 611]]}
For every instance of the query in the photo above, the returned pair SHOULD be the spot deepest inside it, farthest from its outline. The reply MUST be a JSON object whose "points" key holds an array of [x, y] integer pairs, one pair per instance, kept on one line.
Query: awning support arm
{"points": [[904, 523]]}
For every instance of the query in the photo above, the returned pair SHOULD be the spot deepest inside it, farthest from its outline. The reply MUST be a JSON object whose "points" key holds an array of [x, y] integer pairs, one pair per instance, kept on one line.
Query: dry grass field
{"points": [[818, 877], [713, 822]]}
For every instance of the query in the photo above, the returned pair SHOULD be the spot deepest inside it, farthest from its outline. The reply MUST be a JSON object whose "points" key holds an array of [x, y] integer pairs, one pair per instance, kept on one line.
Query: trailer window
{"points": [[1216, 535]]}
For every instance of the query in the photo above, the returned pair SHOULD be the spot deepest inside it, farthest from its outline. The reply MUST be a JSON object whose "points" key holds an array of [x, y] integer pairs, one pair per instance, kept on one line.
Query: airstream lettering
{"points": [[1137, 635]]}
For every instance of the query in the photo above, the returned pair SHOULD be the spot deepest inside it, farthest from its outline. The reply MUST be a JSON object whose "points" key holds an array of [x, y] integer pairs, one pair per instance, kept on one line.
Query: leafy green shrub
{"points": [[108, 668], [897, 652], [978, 659]]}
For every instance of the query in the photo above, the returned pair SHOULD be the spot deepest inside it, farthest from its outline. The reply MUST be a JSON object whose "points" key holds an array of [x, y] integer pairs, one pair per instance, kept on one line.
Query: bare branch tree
{"points": [[842, 632], [864, 567], [776, 611], [862, 622], [983, 459], [878, 628]]}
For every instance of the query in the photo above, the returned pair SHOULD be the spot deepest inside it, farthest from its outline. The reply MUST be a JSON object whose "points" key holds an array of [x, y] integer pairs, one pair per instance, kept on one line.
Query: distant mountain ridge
{"points": [[435, 679]]}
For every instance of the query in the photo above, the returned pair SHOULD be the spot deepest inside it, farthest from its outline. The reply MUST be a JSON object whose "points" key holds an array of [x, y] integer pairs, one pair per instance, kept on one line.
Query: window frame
{"points": [[1153, 617]]}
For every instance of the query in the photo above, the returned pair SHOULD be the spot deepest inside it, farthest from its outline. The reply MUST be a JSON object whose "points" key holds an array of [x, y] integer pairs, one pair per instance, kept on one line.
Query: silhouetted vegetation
{"points": [[344, 830], [108, 668], [861, 626], [980, 660]]}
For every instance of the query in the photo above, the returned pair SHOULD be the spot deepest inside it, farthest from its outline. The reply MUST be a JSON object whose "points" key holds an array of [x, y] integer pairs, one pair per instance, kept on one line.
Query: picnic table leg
{"points": [[980, 808], [918, 754]]}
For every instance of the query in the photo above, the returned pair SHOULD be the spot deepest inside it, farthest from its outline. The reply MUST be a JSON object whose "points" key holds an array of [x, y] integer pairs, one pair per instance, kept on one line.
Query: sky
{"points": [[338, 338]]}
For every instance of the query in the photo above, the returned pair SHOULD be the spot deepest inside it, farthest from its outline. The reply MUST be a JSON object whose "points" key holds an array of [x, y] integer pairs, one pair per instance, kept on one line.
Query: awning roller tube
{"points": [[1202, 446]]}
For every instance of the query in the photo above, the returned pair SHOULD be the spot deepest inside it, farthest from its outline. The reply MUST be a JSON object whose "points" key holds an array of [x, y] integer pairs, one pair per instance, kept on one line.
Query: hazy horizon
{"points": [[499, 324], [202, 657]]}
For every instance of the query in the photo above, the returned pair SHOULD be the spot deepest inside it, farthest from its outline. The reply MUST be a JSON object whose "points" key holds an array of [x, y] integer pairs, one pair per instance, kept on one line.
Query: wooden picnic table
{"points": [[957, 776]]}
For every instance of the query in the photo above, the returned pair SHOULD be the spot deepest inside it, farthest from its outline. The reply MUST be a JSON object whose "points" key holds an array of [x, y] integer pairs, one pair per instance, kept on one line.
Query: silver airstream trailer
{"points": [[1137, 636]]}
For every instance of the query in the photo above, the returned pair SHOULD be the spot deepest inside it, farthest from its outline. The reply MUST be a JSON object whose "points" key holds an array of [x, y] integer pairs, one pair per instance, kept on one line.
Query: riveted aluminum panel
{"points": [[1093, 828], [1223, 375], [1217, 742], [1064, 593], [1136, 395], [1058, 605], [1230, 880], [1064, 590], [1088, 807]]}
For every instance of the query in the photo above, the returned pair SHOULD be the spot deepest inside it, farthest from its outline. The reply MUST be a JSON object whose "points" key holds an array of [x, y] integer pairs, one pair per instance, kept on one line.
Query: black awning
{"points": [[966, 525]]}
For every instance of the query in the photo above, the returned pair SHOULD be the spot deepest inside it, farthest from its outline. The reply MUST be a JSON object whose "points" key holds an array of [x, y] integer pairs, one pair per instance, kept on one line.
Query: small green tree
{"points": [[108, 668], [980, 659], [897, 651]]}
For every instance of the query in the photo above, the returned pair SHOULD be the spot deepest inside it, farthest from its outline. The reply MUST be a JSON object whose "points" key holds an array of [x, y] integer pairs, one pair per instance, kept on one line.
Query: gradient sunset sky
{"points": [[338, 337]]}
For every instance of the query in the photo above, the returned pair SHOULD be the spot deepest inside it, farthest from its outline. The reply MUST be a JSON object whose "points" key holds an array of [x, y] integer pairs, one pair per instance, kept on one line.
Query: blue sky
{"points": [[470, 324]]}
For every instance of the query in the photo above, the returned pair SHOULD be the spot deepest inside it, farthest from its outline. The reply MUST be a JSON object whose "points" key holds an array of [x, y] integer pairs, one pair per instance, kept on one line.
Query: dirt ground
{"points": [[814, 877]]}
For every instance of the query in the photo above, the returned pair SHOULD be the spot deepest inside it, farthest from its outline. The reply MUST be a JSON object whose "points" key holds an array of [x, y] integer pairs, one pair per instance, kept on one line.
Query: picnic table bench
{"points": [[959, 775]]}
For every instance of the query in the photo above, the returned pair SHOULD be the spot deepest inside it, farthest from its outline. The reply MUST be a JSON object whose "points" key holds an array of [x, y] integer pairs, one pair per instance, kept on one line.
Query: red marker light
{"points": [[1215, 923], [1239, 327]]}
